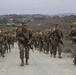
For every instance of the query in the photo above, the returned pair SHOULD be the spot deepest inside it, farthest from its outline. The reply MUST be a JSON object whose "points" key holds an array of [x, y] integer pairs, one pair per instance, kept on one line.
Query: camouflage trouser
{"points": [[40, 46], [47, 48], [9, 46], [2, 49], [6, 47], [24, 51], [59, 49], [12, 44], [53, 50], [74, 54], [74, 51], [44, 47]]}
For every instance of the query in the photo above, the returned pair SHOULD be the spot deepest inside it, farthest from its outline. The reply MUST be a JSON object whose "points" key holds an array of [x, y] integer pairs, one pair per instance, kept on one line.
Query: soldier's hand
{"points": [[21, 38], [29, 42]]}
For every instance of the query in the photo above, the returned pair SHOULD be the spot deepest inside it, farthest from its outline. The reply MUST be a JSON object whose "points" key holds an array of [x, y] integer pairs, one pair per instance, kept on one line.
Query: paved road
{"points": [[39, 64]]}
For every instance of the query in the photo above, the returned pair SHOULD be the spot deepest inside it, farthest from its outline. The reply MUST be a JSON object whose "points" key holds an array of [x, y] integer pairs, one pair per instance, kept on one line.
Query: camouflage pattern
{"points": [[72, 35], [35, 40], [5, 42], [46, 42], [24, 38], [2, 46], [40, 41], [49, 40], [55, 40], [9, 41]]}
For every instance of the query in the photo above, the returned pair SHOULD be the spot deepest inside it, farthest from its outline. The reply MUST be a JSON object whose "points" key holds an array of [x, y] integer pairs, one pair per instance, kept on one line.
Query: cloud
{"points": [[37, 6]]}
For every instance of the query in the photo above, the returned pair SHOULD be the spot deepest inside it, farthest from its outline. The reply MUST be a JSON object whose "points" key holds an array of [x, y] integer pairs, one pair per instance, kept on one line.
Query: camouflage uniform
{"points": [[24, 37], [40, 41], [46, 45], [72, 33], [60, 37], [44, 42], [5, 42], [35, 40], [2, 46], [56, 36], [9, 41], [12, 40], [53, 40]]}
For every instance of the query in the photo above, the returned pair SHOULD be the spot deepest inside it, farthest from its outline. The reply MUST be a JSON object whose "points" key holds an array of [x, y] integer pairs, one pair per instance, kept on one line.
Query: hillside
{"points": [[39, 22]]}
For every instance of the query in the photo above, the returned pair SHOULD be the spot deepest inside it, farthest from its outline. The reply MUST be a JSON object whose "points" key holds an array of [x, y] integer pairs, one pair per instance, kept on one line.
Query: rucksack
{"points": [[1, 38]]}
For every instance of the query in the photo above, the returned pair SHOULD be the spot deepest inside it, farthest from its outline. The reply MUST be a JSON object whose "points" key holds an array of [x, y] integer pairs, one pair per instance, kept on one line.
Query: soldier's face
{"points": [[56, 27], [24, 27]]}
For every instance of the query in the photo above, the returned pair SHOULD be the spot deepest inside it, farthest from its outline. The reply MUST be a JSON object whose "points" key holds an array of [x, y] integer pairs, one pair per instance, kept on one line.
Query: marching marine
{"points": [[24, 36]]}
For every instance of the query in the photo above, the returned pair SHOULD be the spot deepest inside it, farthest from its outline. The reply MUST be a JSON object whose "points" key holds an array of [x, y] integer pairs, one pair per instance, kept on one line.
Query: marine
{"points": [[24, 36]]}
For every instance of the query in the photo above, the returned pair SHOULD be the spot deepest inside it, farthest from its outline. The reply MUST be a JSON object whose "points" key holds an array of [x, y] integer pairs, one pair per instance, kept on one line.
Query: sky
{"points": [[51, 7]]}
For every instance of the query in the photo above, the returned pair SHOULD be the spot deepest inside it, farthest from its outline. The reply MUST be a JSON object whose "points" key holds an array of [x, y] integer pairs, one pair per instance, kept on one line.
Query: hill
{"points": [[39, 22]]}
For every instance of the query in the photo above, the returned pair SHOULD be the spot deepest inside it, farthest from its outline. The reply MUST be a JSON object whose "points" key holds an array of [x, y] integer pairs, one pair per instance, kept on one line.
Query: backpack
{"points": [[1, 38]]}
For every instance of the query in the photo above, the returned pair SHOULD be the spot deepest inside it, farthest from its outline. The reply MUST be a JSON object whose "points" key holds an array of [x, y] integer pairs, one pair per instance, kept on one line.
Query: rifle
{"points": [[26, 41], [31, 47], [61, 42]]}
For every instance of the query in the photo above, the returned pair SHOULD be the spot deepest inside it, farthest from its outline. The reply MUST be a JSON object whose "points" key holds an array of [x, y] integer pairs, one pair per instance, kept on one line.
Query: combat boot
{"points": [[22, 62], [59, 56], [74, 61], [26, 62], [54, 56], [3, 56]]}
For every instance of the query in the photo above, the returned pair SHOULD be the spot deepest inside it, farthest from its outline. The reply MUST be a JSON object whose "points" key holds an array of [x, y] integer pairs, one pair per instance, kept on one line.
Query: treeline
{"points": [[38, 21]]}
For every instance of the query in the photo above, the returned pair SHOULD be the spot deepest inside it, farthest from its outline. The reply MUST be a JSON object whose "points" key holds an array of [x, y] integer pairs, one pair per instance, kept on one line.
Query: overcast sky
{"points": [[50, 7]]}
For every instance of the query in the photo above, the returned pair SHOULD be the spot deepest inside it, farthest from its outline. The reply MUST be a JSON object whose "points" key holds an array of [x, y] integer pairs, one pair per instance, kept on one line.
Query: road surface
{"points": [[39, 64]]}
